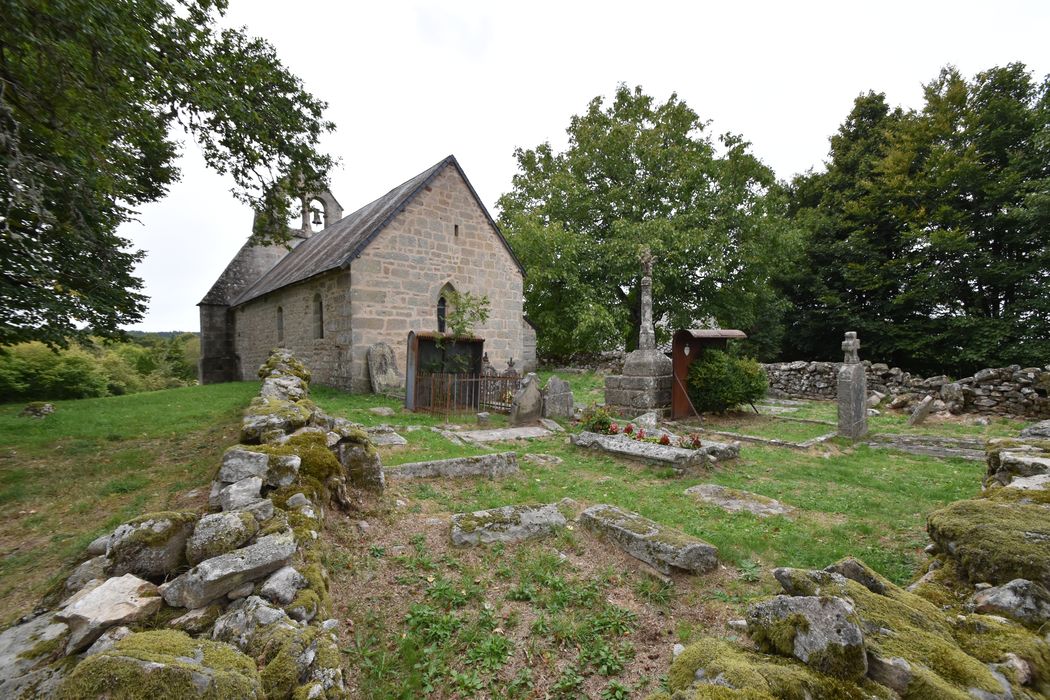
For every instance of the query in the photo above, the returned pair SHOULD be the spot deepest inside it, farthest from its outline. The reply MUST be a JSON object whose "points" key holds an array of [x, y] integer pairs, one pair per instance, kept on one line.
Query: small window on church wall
{"points": [[318, 316], [280, 325], [455, 230], [442, 307]]}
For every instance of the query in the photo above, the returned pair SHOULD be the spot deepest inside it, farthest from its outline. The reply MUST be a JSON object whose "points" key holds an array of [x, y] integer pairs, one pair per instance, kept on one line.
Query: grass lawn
{"points": [[95, 463]]}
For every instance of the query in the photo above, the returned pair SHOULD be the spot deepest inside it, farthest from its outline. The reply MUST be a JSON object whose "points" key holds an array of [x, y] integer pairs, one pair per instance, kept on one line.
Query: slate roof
{"points": [[336, 246]]}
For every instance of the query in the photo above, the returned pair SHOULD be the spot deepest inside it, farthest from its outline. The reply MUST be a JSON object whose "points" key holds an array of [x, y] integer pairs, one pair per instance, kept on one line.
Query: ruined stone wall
{"points": [[255, 329], [399, 277], [1010, 390]]}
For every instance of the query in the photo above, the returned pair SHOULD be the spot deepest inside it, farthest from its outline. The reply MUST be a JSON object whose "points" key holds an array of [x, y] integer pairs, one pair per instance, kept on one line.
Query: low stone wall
{"points": [[1013, 390]]}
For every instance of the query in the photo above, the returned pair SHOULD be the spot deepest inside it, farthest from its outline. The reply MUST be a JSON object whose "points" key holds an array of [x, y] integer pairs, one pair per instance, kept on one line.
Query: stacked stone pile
{"points": [[973, 626], [1012, 390], [233, 603]]}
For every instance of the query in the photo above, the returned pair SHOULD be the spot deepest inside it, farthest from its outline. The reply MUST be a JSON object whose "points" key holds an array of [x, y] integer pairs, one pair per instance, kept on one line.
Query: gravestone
{"points": [[646, 380], [558, 401], [527, 404], [852, 391], [922, 411], [382, 369]]}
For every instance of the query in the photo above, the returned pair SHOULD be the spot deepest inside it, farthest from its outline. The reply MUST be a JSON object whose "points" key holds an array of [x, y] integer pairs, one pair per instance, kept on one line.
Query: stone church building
{"points": [[367, 277]]}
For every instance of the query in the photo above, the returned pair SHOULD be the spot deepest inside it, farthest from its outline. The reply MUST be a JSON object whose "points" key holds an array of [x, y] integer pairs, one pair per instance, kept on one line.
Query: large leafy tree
{"points": [[90, 92], [928, 232], [641, 172]]}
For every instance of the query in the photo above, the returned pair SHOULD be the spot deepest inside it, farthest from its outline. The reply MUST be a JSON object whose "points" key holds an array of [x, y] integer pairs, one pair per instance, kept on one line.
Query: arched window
{"points": [[442, 308], [280, 325], [318, 316]]}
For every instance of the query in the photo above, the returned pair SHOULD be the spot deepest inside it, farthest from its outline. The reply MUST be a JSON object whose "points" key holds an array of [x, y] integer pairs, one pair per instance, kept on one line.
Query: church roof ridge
{"points": [[337, 245]]}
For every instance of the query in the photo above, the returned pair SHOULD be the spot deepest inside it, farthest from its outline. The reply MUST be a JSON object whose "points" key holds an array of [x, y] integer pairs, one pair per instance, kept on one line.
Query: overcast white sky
{"points": [[409, 83]]}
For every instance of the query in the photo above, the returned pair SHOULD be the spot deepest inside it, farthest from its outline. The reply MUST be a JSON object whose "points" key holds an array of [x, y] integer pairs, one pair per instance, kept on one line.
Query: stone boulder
{"points": [[165, 665], [241, 493], [661, 547], [994, 541], [94, 569], [508, 524], [362, 463], [527, 404], [1040, 430], [219, 533], [215, 577], [151, 546], [239, 463], [1022, 600], [283, 585], [286, 387], [265, 417], [119, 600], [820, 631], [250, 622], [733, 501], [26, 652]]}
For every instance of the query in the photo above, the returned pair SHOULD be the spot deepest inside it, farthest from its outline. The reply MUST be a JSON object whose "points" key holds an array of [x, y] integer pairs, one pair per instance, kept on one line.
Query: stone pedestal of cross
{"points": [[852, 391]]}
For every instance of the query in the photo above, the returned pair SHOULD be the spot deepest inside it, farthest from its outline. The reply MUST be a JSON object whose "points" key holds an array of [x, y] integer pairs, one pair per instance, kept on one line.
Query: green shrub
{"points": [[718, 381], [596, 419]]}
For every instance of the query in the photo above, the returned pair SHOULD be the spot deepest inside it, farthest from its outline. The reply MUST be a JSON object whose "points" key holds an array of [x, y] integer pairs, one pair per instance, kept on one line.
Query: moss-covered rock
{"points": [[714, 663], [151, 546], [281, 362], [266, 415], [219, 533], [162, 665], [995, 541]]}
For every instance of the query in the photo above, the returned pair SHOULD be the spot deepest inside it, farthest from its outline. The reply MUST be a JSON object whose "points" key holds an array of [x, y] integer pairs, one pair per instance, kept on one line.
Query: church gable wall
{"points": [[399, 276]]}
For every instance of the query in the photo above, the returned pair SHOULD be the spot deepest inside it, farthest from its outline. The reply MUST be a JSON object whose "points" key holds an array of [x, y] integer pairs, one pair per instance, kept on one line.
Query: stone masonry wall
{"points": [[1010, 390], [399, 277], [255, 329]]}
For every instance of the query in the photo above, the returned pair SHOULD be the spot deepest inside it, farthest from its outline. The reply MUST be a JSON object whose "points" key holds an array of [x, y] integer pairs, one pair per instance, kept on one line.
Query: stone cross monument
{"points": [[852, 391], [645, 384]]}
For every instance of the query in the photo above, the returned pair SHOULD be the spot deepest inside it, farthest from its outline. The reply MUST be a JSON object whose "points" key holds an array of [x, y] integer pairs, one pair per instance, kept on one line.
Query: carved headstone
{"points": [[527, 405], [382, 369], [852, 391], [922, 410], [558, 401]]}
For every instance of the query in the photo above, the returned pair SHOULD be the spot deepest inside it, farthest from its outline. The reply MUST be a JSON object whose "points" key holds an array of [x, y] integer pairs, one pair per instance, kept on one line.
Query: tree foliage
{"points": [[928, 231], [95, 368], [641, 172], [90, 92]]}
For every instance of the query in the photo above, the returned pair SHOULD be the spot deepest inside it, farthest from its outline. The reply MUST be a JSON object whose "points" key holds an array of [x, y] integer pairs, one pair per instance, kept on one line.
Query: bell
{"points": [[317, 218]]}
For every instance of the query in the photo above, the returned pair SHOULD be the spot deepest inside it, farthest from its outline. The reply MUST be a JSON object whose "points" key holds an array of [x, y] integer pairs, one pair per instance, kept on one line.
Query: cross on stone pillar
{"points": [[852, 391], [851, 346], [647, 331]]}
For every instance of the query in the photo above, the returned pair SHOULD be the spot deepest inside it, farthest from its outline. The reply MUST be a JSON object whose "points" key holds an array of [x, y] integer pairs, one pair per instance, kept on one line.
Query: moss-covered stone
{"points": [[710, 663], [283, 362], [163, 665], [990, 639], [995, 541]]}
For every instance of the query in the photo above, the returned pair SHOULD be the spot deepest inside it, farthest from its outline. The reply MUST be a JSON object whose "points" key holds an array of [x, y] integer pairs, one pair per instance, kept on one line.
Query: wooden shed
{"points": [[686, 346]]}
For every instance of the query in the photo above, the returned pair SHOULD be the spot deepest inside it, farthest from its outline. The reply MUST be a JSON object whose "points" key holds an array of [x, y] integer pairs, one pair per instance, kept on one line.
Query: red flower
{"points": [[613, 428], [665, 439], [629, 428], [641, 434]]}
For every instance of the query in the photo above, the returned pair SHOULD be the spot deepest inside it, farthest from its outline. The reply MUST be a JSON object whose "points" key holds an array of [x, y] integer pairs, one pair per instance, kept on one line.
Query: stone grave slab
{"points": [[734, 501], [382, 369], [662, 547], [558, 401], [680, 458], [508, 524], [530, 432], [491, 466], [527, 404], [384, 436]]}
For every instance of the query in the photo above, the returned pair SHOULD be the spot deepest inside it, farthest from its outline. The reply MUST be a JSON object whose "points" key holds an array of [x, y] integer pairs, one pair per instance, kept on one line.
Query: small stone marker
{"points": [[527, 404], [558, 401], [384, 436], [648, 541], [382, 369], [528, 432], [733, 501], [852, 391], [921, 411]]}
